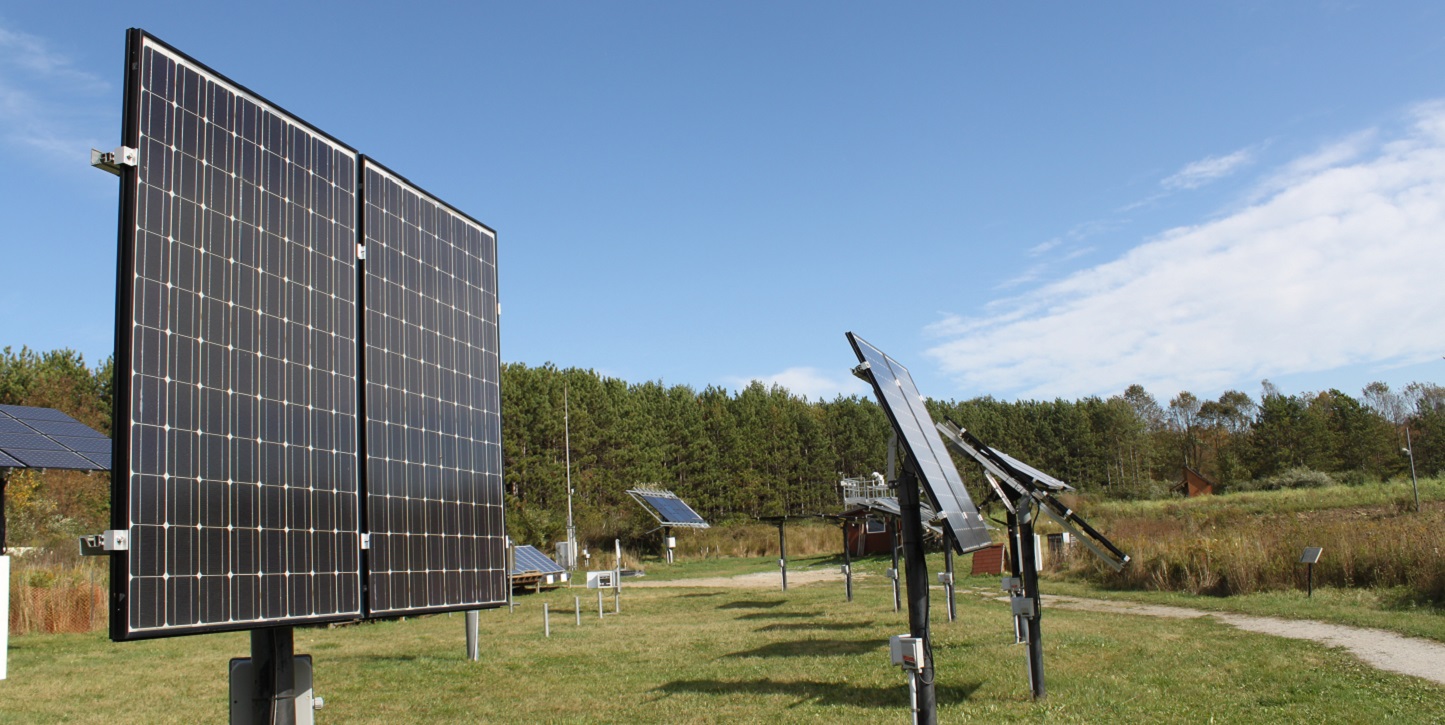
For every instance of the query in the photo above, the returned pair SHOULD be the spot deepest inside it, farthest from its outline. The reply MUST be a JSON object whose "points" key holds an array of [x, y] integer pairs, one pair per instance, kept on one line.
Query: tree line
{"points": [[763, 451]]}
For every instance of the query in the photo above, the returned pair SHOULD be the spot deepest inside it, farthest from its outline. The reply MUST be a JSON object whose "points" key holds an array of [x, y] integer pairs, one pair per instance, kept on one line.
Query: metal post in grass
{"points": [[546, 620], [947, 577], [783, 553], [1414, 481], [893, 573], [577, 609], [912, 535], [599, 603], [847, 564], [474, 649]]}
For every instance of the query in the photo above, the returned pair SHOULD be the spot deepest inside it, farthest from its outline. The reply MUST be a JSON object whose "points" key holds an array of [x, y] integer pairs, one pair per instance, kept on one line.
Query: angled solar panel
{"points": [[433, 403], [668, 509], [33, 437], [236, 353], [528, 559], [900, 399]]}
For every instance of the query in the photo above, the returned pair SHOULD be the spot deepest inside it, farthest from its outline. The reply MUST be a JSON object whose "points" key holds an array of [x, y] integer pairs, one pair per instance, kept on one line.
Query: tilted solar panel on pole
{"points": [[668, 509], [904, 406], [236, 370], [32, 437], [433, 403]]}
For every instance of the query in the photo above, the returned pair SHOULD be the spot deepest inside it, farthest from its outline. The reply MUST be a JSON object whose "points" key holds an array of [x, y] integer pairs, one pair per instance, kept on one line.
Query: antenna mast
{"points": [[567, 442]]}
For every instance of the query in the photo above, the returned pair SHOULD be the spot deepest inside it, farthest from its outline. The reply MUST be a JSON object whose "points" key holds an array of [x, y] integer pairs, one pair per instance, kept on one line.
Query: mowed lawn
{"points": [[681, 654]]}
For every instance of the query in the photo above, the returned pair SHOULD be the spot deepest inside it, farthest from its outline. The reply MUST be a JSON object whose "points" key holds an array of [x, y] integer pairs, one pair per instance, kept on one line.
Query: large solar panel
{"points": [[433, 403], [668, 509], [47, 438], [904, 405], [236, 354]]}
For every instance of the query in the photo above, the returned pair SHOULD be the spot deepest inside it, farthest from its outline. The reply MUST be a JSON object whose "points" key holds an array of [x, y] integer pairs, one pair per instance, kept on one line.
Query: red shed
{"points": [[1195, 484]]}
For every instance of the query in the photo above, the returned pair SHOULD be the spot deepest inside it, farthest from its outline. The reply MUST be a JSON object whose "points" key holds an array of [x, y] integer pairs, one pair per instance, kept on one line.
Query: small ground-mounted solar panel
{"points": [[33, 437], [904, 405], [528, 559], [667, 508], [433, 403], [236, 360]]}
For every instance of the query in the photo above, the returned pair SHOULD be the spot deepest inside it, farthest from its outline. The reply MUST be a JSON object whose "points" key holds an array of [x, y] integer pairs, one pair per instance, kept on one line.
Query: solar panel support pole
{"points": [[273, 665], [912, 533], [1028, 564], [4, 479], [474, 650], [847, 563]]}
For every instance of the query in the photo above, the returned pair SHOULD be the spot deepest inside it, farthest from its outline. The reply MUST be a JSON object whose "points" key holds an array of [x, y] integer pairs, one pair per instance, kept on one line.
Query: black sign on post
{"points": [[1309, 558]]}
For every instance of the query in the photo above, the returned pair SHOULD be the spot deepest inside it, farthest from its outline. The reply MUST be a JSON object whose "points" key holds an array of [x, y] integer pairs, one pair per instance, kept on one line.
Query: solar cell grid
{"points": [[433, 403], [528, 558], [939, 477], [241, 456]]}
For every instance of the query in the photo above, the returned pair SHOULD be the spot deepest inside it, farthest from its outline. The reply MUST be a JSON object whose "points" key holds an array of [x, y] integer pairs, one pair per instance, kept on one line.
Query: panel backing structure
{"points": [[433, 403], [242, 478], [904, 405], [667, 508]]}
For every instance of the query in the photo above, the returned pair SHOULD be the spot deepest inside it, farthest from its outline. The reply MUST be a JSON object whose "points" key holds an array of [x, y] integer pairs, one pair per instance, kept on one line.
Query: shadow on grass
{"points": [[802, 626], [697, 595], [752, 604], [813, 648], [822, 693], [779, 615]]}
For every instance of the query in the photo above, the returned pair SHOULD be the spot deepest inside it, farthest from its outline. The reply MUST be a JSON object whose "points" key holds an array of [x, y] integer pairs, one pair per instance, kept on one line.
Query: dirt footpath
{"points": [[1378, 648]]}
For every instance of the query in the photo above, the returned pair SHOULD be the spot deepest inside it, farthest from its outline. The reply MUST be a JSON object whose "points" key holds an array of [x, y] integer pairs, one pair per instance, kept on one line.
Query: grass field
{"points": [[679, 654]]}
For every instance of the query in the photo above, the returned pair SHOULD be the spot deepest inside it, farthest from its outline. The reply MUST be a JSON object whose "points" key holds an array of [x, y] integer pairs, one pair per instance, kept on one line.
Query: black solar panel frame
{"points": [[385, 191], [136, 41], [926, 453]]}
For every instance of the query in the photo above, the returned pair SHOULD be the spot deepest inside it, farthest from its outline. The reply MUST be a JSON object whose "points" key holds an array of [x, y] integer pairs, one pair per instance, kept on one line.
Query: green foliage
{"points": [[1298, 477]]}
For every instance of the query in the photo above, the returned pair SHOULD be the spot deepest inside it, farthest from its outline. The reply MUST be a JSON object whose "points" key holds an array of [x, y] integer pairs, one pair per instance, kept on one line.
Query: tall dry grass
{"points": [[750, 540], [1213, 550], [52, 592]]}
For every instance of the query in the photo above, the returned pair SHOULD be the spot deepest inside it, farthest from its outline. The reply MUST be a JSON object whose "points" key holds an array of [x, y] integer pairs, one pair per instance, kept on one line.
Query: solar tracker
{"points": [[433, 403], [47, 438], [236, 354], [668, 509], [528, 559], [904, 405]]}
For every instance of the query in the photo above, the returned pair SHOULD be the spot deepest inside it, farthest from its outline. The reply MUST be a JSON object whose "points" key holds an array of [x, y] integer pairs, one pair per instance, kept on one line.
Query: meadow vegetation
{"points": [[684, 654]]}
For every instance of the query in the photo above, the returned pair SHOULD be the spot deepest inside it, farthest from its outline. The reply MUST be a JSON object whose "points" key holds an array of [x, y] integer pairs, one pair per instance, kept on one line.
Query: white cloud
{"points": [[1202, 172], [47, 106], [810, 383], [1337, 263]]}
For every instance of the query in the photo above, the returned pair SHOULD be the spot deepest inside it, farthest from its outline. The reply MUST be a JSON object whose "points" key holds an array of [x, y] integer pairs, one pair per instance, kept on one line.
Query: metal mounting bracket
{"points": [[112, 160], [105, 543]]}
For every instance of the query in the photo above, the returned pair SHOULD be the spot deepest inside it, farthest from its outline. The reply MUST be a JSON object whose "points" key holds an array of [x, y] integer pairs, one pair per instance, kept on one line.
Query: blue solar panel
{"points": [[901, 400], [528, 558], [669, 509], [46, 438]]}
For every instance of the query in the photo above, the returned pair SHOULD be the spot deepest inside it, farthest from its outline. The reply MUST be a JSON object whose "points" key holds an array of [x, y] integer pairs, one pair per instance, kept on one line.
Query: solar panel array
{"points": [[528, 559], [239, 333], [433, 403], [47, 438], [668, 509], [904, 405]]}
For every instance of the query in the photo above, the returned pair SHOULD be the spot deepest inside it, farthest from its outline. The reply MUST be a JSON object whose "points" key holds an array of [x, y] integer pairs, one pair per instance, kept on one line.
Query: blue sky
{"points": [[1020, 200]]}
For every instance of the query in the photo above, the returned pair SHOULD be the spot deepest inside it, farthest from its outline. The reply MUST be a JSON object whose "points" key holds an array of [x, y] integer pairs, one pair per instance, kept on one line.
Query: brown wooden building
{"points": [[1194, 484]]}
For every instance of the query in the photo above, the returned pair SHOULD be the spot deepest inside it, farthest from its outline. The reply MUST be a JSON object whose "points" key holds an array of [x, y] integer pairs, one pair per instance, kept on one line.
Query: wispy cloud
{"points": [[47, 106], [1203, 171], [808, 382], [1336, 262]]}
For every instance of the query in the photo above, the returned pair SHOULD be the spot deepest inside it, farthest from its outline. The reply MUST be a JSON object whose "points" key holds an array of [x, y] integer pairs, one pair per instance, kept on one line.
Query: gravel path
{"points": [[1378, 648]]}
